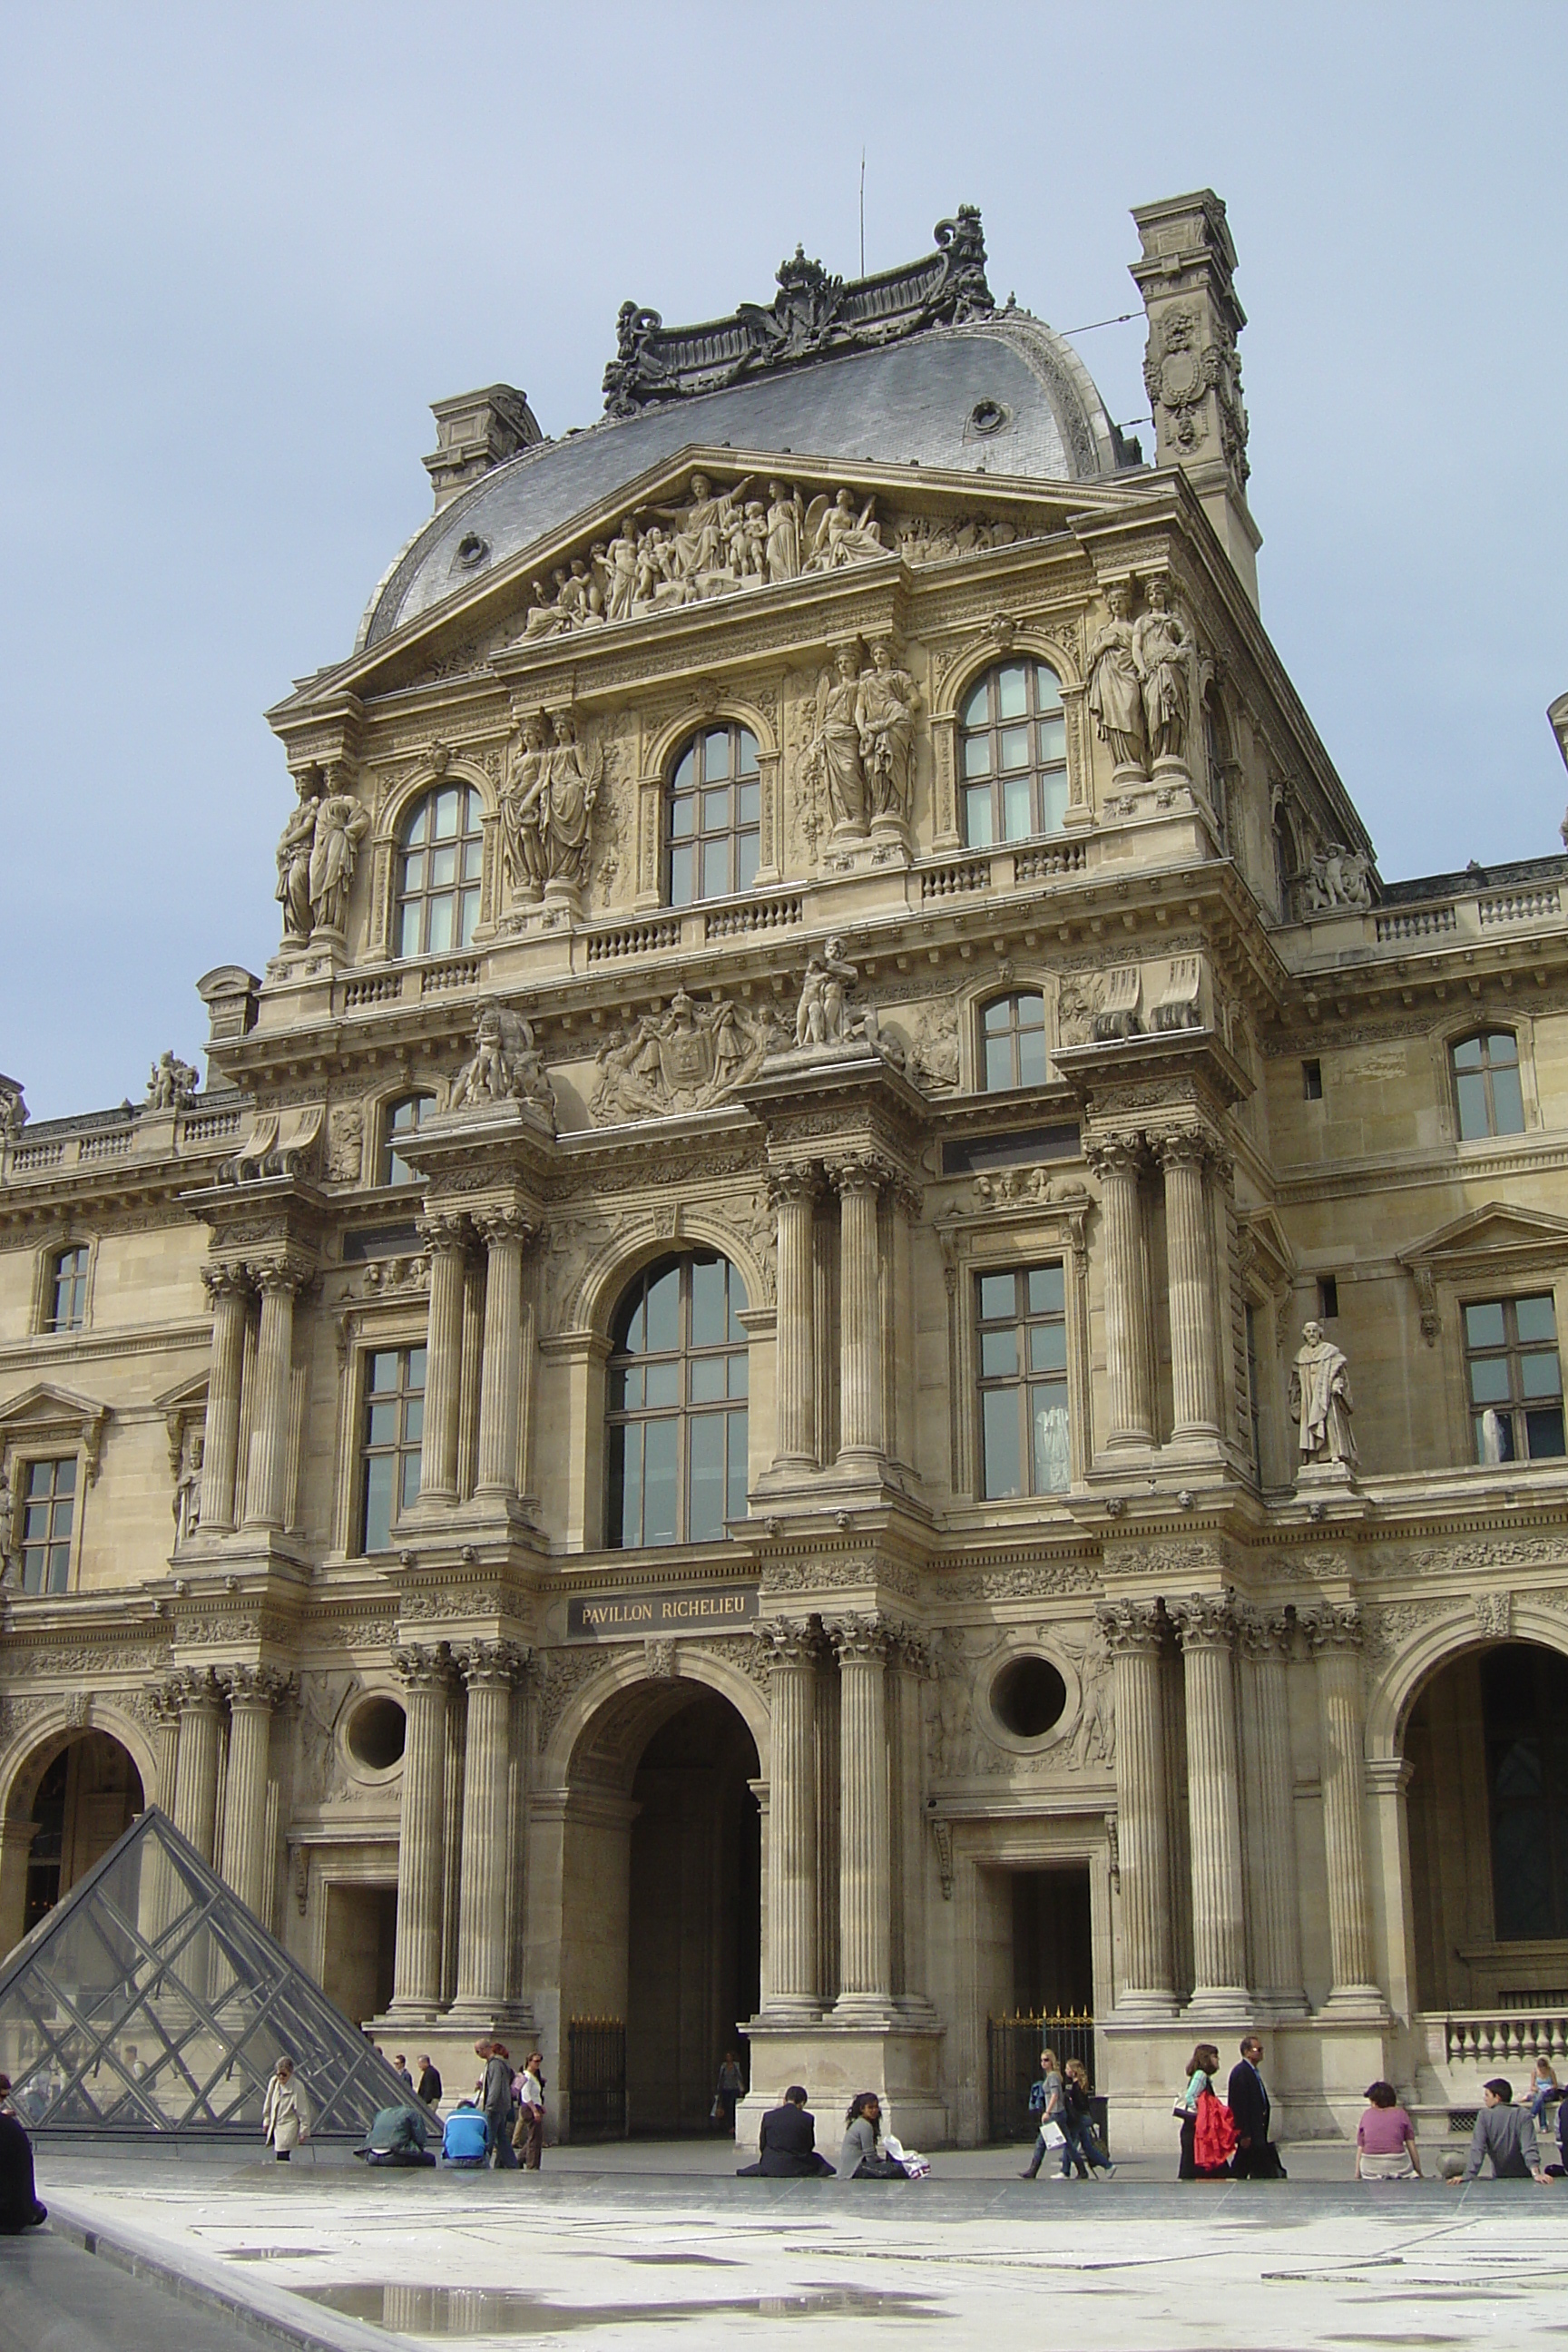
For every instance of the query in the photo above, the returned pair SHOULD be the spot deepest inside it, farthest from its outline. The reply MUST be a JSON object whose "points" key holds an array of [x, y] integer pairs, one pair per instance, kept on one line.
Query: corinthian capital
{"points": [[787, 1184], [191, 1688], [1206, 1621], [861, 1171], [224, 1281], [503, 1662], [860, 1640], [497, 1226], [1114, 1155], [791, 1643], [263, 1687], [442, 1231], [1264, 1632], [423, 1665], [1337, 1625], [281, 1273], [1131, 1626]]}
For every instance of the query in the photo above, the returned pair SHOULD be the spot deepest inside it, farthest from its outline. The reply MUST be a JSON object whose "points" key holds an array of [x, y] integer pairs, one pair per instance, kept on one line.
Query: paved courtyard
{"points": [[606, 2245]]}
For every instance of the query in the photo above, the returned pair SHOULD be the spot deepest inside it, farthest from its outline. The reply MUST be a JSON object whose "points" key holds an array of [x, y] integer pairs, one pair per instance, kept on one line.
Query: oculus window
{"points": [[48, 1512], [1022, 1343], [677, 1422], [68, 1290], [1013, 1043], [438, 867], [401, 1119], [1514, 1377], [1486, 1085], [389, 1450], [715, 815], [1013, 755]]}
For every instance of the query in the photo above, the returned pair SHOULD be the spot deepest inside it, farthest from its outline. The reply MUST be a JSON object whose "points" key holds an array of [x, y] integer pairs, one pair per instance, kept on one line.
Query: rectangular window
{"points": [[68, 1291], [389, 1450], [1312, 1081], [1328, 1298], [49, 1508], [1514, 1378], [1022, 1345]]}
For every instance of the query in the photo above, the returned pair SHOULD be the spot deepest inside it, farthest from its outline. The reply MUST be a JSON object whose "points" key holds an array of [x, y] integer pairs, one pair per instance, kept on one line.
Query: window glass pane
{"points": [[1048, 1411], [1053, 734], [1053, 804], [439, 938], [999, 1354], [663, 1311], [416, 1368], [1014, 742], [662, 1383], [473, 857], [1539, 1375], [1534, 1318], [378, 1493], [1011, 691], [999, 1441], [746, 753], [738, 1467], [1047, 1289], [716, 810], [414, 872], [1048, 1348], [976, 708], [1543, 1430], [683, 817], [709, 1321], [1488, 1379], [1472, 1099], [419, 830], [707, 1379], [660, 1480], [998, 1295], [998, 1064], [408, 931], [414, 1420], [745, 861], [1502, 1047], [739, 1374], [383, 1370], [40, 1477], [1468, 1056], [410, 1476], [468, 916], [1483, 1326], [1507, 1102], [1048, 689], [680, 878], [1032, 1069], [686, 771], [977, 755], [65, 1476], [445, 815], [977, 818], [716, 752], [626, 1482], [705, 1503], [443, 868], [737, 1331], [1494, 1436], [715, 868], [998, 1017], [380, 1423], [748, 803], [1017, 809]]}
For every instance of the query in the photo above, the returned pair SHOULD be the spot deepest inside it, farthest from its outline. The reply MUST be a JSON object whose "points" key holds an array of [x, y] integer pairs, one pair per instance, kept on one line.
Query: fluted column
{"points": [[1268, 1783], [506, 1235], [228, 1288], [253, 1693], [266, 1500], [1206, 1625], [199, 1698], [416, 1974], [865, 1876], [1116, 1161], [1134, 1634], [793, 1986], [793, 1191], [1336, 1637], [1194, 1344], [490, 1670], [443, 1238], [859, 1182]]}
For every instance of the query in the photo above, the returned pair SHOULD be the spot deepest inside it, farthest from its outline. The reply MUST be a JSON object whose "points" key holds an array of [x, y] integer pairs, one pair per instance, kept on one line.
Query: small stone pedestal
{"points": [[899, 2061]]}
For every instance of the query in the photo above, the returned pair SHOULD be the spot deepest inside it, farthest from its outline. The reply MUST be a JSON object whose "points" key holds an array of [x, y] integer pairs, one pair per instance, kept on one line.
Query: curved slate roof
{"points": [[912, 401]]}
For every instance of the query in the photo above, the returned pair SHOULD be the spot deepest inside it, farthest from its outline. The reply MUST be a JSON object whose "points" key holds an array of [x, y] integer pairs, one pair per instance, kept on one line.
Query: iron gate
{"points": [[596, 2048], [1012, 2047]]}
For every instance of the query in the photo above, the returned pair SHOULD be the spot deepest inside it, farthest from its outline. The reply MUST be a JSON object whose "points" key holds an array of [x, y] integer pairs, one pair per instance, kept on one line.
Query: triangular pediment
{"points": [[150, 2001], [1495, 1231]]}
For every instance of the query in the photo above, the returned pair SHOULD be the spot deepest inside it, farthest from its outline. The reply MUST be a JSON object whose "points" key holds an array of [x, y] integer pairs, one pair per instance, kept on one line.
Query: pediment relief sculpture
{"points": [[684, 1060]]}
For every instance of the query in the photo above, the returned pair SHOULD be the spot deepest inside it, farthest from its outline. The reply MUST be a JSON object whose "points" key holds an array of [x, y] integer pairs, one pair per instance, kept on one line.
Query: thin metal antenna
{"points": [[862, 212]]}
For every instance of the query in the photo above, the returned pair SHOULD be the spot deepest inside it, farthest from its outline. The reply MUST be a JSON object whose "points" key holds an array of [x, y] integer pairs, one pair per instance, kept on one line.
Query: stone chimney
{"points": [[1191, 368], [473, 433]]}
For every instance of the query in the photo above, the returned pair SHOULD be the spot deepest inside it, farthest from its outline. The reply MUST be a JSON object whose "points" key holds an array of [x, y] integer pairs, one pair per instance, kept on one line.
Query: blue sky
{"points": [[244, 247]]}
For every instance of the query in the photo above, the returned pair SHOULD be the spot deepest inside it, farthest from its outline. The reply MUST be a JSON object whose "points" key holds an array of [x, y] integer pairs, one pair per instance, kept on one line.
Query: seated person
{"points": [[397, 2137], [19, 2206], [1506, 2134], [862, 2155], [466, 2136], [787, 2143]]}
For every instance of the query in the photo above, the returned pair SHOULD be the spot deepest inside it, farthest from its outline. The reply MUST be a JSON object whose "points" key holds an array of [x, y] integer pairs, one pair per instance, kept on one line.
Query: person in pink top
{"points": [[1386, 2139]]}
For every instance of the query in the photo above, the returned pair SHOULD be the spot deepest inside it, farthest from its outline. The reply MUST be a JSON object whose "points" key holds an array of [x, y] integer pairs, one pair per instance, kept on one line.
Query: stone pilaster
{"points": [[1206, 1626], [794, 1992], [253, 1693], [199, 1695], [228, 1288], [793, 1191], [266, 1500], [1269, 1812], [1117, 1162], [864, 1874], [1185, 1157], [1134, 1635], [445, 1238], [506, 1235], [491, 1671], [417, 1977], [859, 1181], [1335, 1633]]}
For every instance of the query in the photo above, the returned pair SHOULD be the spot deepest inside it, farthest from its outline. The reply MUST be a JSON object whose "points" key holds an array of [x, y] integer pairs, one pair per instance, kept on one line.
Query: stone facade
{"points": [[917, 887]]}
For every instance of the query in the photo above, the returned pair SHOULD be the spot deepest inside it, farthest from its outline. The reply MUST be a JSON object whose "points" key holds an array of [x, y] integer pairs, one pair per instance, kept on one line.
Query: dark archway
{"points": [[89, 1794]]}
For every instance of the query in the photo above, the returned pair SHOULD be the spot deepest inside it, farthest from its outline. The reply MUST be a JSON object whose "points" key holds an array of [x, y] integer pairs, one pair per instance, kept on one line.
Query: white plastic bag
{"points": [[1054, 2135], [916, 2164]]}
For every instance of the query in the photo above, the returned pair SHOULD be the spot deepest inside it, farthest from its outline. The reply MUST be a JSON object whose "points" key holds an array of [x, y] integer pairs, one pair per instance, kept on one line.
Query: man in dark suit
{"points": [[787, 2143], [1246, 2096]]}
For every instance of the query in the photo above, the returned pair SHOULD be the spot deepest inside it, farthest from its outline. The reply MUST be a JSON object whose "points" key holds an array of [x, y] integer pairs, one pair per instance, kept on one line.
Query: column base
{"points": [[835, 2057], [1357, 2004], [1134, 2006], [504, 2021], [1233, 2000]]}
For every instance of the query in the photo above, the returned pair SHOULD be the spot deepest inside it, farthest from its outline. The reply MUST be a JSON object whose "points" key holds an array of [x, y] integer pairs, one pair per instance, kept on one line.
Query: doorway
{"points": [[361, 1944], [88, 1796]]}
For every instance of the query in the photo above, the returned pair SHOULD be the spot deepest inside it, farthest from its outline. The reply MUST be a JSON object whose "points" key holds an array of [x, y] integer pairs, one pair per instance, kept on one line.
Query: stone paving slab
{"points": [[602, 2253]]}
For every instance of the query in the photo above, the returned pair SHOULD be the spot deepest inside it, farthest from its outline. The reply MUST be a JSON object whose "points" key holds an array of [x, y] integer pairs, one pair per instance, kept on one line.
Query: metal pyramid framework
{"points": [[150, 2001]]}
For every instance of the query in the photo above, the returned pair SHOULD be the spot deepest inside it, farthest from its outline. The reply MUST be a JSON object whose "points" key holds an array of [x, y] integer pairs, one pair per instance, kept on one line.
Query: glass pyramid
{"points": [[150, 2000]]}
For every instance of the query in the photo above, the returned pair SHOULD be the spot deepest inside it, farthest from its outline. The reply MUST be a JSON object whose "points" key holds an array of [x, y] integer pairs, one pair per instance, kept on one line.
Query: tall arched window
{"points": [[714, 814], [401, 1119], [1013, 1042], [438, 865], [1486, 1084], [677, 1422], [1013, 755]]}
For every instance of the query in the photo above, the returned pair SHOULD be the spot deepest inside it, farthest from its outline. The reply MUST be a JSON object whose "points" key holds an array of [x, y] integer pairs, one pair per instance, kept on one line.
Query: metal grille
{"points": [[596, 2048], [1013, 2046]]}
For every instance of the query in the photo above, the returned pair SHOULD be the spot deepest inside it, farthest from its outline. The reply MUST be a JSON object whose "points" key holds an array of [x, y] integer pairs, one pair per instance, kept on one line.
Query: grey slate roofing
{"points": [[912, 402]]}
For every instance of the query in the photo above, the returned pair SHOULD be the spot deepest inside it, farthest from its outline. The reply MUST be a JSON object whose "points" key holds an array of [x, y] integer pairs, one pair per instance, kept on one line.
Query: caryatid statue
{"points": [[294, 846], [885, 714], [522, 796], [1321, 1400], [340, 826], [833, 756], [565, 809], [1115, 691], [1162, 651]]}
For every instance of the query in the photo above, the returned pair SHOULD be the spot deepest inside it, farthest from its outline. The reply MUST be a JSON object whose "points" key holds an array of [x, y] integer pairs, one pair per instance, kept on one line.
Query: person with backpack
{"points": [[1045, 2107]]}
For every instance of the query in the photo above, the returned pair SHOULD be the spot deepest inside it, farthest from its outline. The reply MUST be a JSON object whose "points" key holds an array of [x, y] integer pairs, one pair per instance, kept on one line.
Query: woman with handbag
{"points": [[1046, 2104], [1208, 2128], [862, 2158], [528, 2132], [1200, 2078], [1077, 2124], [285, 2113]]}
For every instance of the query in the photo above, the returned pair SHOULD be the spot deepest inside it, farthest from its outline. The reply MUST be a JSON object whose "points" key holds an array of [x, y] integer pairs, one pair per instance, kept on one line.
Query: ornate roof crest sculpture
{"points": [[813, 314]]}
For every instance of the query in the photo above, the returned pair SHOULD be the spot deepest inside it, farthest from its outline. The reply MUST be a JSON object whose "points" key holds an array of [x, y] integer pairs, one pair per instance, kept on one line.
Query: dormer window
{"points": [[1013, 755]]}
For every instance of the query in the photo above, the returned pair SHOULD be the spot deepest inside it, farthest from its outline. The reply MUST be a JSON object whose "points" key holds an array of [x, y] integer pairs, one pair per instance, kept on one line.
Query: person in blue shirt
{"points": [[466, 2136]]}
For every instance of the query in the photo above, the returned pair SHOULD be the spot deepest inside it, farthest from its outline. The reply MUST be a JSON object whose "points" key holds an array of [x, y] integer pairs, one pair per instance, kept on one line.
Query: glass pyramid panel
{"points": [[151, 1999]]}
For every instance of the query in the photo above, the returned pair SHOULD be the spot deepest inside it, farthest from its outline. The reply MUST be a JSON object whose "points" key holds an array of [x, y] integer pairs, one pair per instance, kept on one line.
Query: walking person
{"points": [[527, 2135], [1386, 2139], [1046, 2103], [286, 2112], [729, 2091], [400, 2068], [496, 2102], [429, 2091], [19, 2206], [1506, 2134], [862, 2157], [1246, 2096], [1078, 2122], [1205, 2153]]}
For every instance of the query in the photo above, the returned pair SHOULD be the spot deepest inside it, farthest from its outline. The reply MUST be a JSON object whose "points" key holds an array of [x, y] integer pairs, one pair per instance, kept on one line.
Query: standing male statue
{"points": [[1320, 1399]]}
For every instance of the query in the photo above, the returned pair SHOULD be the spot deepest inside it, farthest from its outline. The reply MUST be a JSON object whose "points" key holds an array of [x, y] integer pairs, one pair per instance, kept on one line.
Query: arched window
{"points": [[1486, 1084], [438, 863], [678, 1404], [1013, 755], [714, 814], [67, 1307], [401, 1119], [1013, 1042]]}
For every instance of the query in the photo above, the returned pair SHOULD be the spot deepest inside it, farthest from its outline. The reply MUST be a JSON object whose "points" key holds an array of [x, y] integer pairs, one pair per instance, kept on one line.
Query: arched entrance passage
{"points": [[663, 1888], [75, 1795], [1486, 1744]]}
